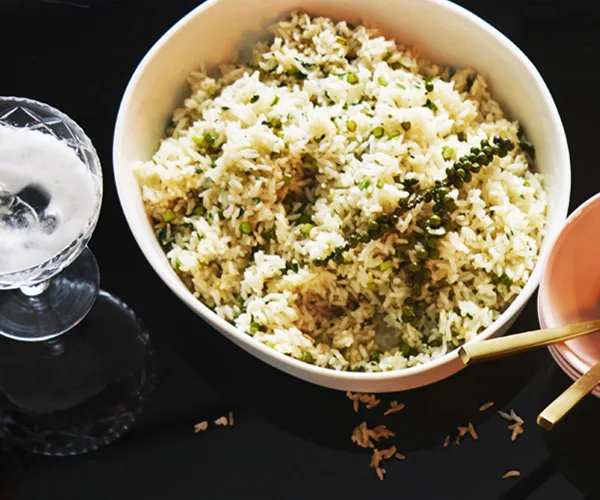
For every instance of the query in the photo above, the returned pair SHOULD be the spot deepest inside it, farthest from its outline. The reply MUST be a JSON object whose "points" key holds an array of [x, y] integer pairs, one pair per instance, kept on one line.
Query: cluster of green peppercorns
{"points": [[423, 246]]}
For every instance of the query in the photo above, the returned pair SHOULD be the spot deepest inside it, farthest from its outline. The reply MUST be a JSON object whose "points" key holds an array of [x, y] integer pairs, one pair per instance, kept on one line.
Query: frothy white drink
{"points": [[47, 196]]}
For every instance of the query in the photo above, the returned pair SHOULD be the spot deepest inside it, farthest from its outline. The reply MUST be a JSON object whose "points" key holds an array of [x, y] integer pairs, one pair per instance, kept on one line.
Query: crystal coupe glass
{"points": [[75, 361]]}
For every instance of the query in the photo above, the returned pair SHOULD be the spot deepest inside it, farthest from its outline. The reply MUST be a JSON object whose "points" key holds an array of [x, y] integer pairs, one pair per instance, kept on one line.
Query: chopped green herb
{"points": [[364, 184], [245, 228], [307, 357], [199, 210], [240, 300], [254, 98], [257, 200], [294, 266], [388, 264], [382, 81], [386, 56], [225, 108], [254, 327], [400, 86], [275, 100], [527, 184], [305, 228], [319, 139], [352, 79], [269, 235], [380, 183], [470, 82], [273, 69], [341, 40], [198, 139], [469, 315], [198, 170], [394, 136], [431, 105], [378, 132], [287, 178], [351, 125], [461, 136], [210, 138], [447, 153], [168, 216]]}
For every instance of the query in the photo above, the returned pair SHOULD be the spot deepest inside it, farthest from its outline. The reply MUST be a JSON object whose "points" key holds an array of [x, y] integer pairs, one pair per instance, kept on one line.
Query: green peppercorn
{"points": [[421, 254], [457, 183], [353, 241], [365, 237], [318, 262], [417, 290], [435, 221], [487, 150], [485, 144], [384, 227], [475, 151], [384, 217], [502, 153], [428, 196], [373, 226], [394, 219], [414, 267], [482, 159], [434, 253], [377, 234], [460, 173], [508, 145], [425, 274], [338, 258], [408, 310], [475, 168], [468, 177]]}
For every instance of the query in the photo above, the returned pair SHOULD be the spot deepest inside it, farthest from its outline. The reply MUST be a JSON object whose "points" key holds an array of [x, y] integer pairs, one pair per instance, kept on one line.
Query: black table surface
{"points": [[292, 439]]}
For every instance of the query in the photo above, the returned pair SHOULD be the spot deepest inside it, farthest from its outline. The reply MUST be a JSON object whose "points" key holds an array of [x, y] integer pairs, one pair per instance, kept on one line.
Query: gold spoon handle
{"points": [[568, 399], [512, 344]]}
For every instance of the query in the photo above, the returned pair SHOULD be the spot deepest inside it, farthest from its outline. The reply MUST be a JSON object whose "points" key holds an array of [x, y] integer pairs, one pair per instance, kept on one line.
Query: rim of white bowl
{"points": [[177, 287]]}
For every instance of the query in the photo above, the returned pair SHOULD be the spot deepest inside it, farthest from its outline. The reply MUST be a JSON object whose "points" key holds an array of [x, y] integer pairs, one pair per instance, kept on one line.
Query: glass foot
{"points": [[80, 391], [51, 308]]}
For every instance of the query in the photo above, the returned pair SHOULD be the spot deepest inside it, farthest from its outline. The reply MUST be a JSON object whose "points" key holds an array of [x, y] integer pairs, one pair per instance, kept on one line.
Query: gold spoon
{"points": [[521, 342], [568, 399], [495, 348]]}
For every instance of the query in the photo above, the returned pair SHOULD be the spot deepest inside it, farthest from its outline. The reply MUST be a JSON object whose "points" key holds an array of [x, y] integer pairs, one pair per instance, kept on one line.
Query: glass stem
{"points": [[37, 289]]}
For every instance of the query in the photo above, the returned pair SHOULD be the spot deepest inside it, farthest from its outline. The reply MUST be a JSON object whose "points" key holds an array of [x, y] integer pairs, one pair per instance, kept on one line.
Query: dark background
{"points": [[291, 439]]}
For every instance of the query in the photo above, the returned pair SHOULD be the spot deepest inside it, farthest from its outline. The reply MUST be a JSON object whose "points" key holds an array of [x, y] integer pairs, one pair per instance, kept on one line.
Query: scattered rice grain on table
{"points": [[222, 421], [394, 407], [280, 198], [486, 406], [472, 432], [511, 473], [364, 437], [369, 400], [516, 427], [447, 441], [230, 418], [202, 426]]}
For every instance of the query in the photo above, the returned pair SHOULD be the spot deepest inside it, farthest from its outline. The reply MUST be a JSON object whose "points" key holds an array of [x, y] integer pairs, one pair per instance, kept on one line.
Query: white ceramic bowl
{"points": [[217, 30]]}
